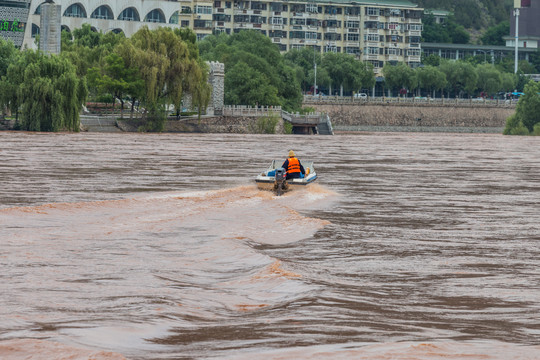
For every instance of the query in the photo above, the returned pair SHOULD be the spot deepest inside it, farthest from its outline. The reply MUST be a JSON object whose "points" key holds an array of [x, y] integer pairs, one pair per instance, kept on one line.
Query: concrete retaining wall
{"points": [[207, 124], [347, 117]]}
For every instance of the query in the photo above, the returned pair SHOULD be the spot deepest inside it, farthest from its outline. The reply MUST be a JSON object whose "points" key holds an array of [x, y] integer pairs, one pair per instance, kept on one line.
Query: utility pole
{"points": [[517, 5]]}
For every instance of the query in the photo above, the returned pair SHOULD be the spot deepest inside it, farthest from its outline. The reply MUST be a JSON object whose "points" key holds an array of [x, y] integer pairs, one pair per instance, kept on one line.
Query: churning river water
{"points": [[409, 246]]}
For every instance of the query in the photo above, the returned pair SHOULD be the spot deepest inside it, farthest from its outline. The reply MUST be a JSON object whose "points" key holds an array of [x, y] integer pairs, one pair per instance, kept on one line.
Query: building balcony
{"points": [[413, 59], [413, 21], [243, 12], [243, 26], [371, 57]]}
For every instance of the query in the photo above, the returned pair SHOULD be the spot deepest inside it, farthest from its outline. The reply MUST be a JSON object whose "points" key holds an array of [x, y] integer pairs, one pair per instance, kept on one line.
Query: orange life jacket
{"points": [[294, 165]]}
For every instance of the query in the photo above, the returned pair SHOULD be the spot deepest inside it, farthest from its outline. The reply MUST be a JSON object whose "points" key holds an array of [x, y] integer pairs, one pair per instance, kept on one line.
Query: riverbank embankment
{"points": [[365, 116]]}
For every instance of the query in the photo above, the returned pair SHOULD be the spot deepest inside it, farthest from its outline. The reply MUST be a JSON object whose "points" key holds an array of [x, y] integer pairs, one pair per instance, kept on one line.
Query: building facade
{"points": [[13, 19], [374, 31], [491, 53], [528, 25]]}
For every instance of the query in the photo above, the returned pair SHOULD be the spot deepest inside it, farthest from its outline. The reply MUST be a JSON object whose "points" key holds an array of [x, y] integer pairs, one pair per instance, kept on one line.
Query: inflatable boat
{"points": [[273, 178]]}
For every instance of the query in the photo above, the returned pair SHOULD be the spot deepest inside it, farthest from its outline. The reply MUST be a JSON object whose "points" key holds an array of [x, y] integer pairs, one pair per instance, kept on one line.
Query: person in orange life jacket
{"points": [[293, 167]]}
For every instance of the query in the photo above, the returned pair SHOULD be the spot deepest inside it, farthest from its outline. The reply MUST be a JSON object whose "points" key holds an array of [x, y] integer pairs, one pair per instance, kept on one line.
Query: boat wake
{"points": [[149, 263]]}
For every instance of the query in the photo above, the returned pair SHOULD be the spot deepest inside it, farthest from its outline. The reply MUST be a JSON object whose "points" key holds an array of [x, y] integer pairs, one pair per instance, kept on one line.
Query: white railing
{"points": [[245, 110], [258, 111], [476, 102]]}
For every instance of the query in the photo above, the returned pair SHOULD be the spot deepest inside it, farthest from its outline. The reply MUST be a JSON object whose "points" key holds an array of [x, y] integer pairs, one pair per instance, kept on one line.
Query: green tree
{"points": [[86, 48], [347, 72], [461, 77], [432, 59], [527, 111], [168, 69], [489, 78], [8, 55], [251, 87], [49, 92], [494, 35], [304, 59], [262, 61], [508, 82], [399, 76], [430, 78], [116, 79], [448, 32]]}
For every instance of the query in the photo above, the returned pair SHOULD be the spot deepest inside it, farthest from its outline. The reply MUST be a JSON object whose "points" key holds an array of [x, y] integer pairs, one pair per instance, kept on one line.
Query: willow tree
{"points": [[8, 55], [47, 91], [169, 67]]}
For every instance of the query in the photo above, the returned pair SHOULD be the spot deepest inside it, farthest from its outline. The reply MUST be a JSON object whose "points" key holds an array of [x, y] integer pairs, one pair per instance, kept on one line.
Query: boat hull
{"points": [[267, 182]]}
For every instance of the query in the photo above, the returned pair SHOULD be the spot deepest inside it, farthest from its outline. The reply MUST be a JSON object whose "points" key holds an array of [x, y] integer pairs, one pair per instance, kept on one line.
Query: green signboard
{"points": [[12, 26]]}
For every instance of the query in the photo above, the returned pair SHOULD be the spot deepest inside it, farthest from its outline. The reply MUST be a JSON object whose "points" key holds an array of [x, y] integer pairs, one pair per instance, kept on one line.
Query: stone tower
{"points": [[50, 27], [216, 78]]}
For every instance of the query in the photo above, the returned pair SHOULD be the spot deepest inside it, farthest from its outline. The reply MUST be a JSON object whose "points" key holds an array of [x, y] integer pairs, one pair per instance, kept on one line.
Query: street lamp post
{"points": [[315, 70], [484, 54], [516, 40]]}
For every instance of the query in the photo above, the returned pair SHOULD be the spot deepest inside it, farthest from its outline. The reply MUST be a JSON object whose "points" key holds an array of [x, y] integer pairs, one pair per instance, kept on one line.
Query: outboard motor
{"points": [[281, 181]]}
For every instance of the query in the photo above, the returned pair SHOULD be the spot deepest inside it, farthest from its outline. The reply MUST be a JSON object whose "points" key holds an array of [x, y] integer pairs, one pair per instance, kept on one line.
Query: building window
{"points": [[311, 35], [174, 18], [35, 30], [312, 8], [352, 37], [330, 48], [371, 37], [202, 24], [103, 12], [129, 14], [371, 50], [371, 11], [75, 10], [202, 9], [276, 21], [155, 16], [352, 11]]}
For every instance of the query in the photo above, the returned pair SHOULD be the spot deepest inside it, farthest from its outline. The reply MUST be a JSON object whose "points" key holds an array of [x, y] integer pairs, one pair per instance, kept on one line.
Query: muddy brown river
{"points": [[159, 246]]}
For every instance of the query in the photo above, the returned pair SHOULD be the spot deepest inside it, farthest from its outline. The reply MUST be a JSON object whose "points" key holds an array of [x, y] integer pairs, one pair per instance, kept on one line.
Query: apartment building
{"points": [[374, 31]]}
